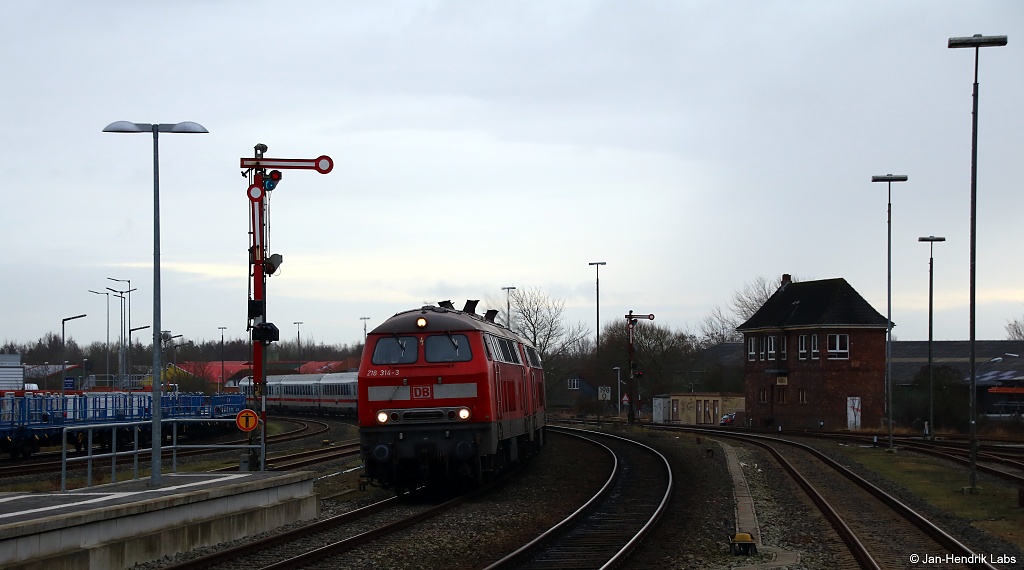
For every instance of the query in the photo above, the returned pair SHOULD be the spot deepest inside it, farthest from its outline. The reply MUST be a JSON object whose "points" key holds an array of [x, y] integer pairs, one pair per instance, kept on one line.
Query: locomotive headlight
{"points": [[463, 414], [421, 322], [382, 417]]}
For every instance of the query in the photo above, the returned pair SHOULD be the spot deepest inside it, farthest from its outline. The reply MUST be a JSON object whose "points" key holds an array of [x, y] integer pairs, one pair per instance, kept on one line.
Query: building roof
{"points": [[815, 304], [909, 357]]}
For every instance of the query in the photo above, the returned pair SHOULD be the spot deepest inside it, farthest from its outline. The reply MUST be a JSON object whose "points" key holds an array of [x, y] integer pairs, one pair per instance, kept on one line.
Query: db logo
{"points": [[421, 392]]}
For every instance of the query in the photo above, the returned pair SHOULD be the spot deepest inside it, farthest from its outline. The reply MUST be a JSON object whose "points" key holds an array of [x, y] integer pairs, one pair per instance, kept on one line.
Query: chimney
{"points": [[786, 280]]}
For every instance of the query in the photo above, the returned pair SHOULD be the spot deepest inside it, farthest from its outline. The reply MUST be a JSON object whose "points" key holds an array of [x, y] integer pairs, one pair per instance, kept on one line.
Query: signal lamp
{"points": [[463, 414], [421, 322], [382, 417], [270, 180]]}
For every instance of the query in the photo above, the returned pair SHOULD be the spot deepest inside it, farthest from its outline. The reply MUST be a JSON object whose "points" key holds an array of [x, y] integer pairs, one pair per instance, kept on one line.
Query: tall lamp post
{"points": [[126, 323], [977, 41], [508, 306], [618, 382], [931, 288], [156, 129], [298, 338], [222, 357], [63, 352], [364, 319], [889, 179], [107, 293], [597, 294]]}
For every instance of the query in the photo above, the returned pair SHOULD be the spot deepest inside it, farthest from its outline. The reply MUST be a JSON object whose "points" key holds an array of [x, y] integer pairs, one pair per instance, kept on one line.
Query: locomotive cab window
{"points": [[447, 348], [534, 357], [395, 350]]}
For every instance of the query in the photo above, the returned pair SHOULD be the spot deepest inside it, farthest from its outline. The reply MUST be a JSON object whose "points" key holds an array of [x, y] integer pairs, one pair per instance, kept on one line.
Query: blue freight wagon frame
{"points": [[32, 420]]}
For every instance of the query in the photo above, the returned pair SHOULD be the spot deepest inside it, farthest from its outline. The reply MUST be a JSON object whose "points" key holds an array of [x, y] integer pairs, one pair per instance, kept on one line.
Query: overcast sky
{"points": [[693, 146]]}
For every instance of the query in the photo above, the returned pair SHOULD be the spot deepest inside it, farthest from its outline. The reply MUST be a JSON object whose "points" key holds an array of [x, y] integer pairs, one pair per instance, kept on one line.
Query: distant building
{"points": [[815, 355], [697, 408]]}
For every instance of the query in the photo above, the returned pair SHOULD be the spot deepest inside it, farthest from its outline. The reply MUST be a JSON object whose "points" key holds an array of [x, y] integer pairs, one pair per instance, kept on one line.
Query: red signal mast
{"points": [[631, 321], [262, 264]]}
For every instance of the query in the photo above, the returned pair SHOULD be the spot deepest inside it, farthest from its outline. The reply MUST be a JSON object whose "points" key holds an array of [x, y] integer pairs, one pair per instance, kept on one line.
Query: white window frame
{"points": [[801, 342], [752, 348], [771, 347], [838, 346], [574, 383], [782, 348], [815, 353]]}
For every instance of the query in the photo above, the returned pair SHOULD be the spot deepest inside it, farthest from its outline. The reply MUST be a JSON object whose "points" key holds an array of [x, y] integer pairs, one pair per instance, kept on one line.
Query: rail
{"points": [[114, 454]]}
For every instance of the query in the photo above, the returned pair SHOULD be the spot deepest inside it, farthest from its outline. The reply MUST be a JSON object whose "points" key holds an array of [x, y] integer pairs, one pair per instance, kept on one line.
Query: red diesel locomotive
{"points": [[447, 395]]}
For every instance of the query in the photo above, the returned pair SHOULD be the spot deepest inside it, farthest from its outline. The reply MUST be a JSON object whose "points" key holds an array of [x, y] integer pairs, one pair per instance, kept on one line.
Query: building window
{"points": [[771, 347], [782, 347], [802, 347], [574, 383], [764, 396], [803, 395], [752, 348], [780, 391], [815, 353], [838, 347], [764, 345]]}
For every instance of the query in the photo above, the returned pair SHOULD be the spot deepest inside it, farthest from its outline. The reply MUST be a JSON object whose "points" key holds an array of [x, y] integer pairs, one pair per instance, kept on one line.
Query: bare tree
{"points": [[718, 328], [746, 301], [541, 319], [1015, 330]]}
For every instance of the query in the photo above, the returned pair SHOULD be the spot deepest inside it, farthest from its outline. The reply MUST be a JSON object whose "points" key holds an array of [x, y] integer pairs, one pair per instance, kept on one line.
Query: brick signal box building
{"points": [[815, 357]]}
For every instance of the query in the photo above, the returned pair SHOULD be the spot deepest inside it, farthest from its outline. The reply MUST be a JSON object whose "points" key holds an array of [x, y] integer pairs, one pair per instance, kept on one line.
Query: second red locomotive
{"points": [[445, 395]]}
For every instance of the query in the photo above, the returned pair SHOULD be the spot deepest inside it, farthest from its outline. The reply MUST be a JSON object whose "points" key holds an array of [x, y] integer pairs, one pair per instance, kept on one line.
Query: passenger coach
{"points": [[447, 394]]}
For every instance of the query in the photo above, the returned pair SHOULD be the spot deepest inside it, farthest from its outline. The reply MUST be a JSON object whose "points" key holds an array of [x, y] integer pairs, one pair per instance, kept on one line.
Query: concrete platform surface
{"points": [[121, 524]]}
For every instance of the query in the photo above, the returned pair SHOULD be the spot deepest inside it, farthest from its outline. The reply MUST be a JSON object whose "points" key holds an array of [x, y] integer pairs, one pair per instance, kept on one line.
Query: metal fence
{"points": [[135, 451]]}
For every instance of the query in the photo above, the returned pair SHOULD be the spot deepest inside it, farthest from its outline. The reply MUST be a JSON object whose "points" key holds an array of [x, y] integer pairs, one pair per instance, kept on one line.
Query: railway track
{"points": [[605, 528], [879, 530], [604, 531]]}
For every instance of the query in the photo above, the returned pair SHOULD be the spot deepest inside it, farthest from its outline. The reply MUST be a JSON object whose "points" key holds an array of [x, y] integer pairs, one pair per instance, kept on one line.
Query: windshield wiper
{"points": [[454, 342], [401, 343]]}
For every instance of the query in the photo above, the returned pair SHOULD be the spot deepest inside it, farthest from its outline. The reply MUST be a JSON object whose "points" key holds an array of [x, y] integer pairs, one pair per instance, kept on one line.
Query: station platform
{"points": [[122, 524]]}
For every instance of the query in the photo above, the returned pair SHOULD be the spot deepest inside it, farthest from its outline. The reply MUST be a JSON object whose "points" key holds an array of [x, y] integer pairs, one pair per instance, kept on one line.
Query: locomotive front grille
{"points": [[423, 415]]}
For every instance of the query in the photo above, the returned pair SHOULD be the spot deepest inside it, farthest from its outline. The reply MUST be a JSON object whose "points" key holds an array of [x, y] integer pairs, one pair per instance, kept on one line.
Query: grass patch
{"points": [[994, 509]]}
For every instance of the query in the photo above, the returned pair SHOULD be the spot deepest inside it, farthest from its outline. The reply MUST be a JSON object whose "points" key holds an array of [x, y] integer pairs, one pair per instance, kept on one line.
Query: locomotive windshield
{"points": [[395, 350], [447, 348]]}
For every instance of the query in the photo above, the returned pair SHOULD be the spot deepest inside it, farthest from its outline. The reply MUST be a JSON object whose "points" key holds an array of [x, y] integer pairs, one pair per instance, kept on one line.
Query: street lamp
{"points": [[222, 357], [597, 287], [126, 323], [123, 336], [618, 382], [156, 129], [977, 41], [63, 352], [108, 329], [298, 338], [931, 282], [364, 319], [889, 179], [508, 306]]}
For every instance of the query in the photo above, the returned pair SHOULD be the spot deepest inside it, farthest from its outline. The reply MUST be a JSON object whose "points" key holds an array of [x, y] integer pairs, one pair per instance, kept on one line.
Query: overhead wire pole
{"points": [[364, 319], [262, 264]]}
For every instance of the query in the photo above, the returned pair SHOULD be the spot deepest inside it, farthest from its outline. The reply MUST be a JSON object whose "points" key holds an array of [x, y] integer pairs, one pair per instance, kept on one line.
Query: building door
{"points": [[853, 412]]}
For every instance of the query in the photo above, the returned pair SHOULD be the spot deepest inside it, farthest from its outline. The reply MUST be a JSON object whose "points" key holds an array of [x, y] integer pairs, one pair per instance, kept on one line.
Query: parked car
{"points": [[728, 419]]}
